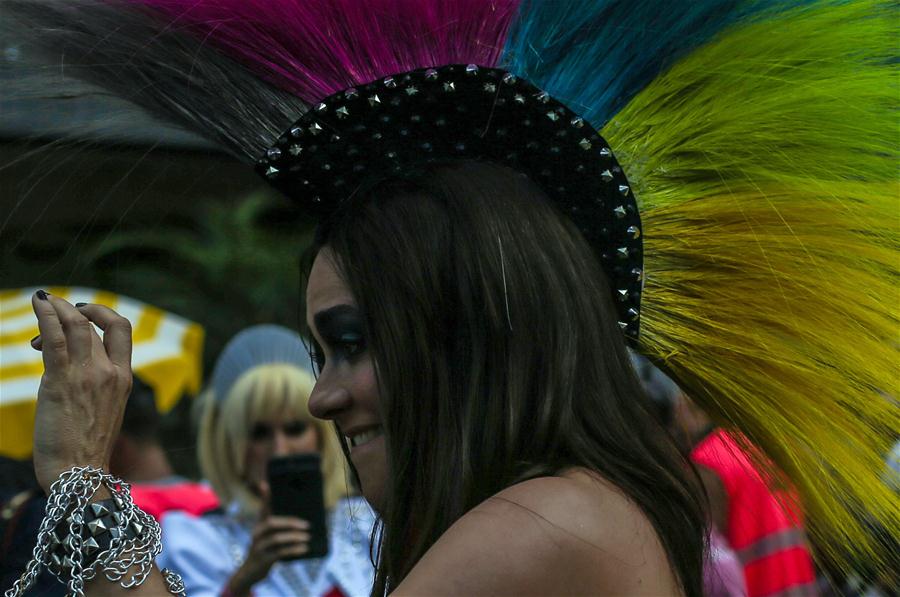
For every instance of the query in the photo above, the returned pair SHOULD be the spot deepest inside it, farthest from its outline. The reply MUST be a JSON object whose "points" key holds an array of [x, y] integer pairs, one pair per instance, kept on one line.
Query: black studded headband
{"points": [[467, 112]]}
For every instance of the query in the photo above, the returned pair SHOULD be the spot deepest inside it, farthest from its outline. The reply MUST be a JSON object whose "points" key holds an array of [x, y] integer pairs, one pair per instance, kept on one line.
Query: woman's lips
{"points": [[360, 439]]}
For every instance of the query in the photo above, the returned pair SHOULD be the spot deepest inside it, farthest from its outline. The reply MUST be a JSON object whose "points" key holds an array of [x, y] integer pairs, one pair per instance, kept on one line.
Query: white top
{"points": [[206, 551]]}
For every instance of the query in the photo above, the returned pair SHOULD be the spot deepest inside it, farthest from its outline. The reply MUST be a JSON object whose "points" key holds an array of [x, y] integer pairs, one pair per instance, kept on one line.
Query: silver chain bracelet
{"points": [[67, 542]]}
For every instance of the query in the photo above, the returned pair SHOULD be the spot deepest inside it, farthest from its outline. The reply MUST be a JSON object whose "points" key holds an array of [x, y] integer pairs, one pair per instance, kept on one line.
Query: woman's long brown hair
{"points": [[499, 359]]}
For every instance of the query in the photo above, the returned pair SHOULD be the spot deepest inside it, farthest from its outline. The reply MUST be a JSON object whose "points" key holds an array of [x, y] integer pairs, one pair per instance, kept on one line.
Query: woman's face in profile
{"points": [[346, 390]]}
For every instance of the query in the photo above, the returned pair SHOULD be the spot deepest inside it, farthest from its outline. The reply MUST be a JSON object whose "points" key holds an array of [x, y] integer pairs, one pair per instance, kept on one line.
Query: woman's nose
{"points": [[328, 400], [280, 444]]}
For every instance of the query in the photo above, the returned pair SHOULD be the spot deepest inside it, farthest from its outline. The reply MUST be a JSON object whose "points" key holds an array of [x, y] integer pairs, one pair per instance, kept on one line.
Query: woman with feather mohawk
{"points": [[483, 258]]}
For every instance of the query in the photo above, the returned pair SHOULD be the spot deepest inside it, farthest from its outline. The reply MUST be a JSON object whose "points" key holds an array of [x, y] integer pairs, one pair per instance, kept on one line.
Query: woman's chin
{"points": [[370, 462]]}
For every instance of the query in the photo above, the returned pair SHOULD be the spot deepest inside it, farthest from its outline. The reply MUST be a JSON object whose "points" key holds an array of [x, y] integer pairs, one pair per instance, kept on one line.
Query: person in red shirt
{"points": [[139, 458], [763, 524]]}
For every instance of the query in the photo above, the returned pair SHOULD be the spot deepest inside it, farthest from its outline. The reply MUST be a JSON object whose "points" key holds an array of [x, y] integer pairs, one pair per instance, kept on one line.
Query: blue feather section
{"points": [[595, 55]]}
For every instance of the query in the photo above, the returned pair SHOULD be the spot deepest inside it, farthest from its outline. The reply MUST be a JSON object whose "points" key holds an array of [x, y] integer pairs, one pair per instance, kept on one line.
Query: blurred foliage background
{"points": [[225, 266], [94, 192], [191, 232]]}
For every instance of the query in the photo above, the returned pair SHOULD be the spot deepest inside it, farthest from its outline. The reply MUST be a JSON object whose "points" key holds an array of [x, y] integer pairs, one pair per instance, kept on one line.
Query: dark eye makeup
{"points": [[260, 431], [341, 330], [263, 431], [295, 428]]}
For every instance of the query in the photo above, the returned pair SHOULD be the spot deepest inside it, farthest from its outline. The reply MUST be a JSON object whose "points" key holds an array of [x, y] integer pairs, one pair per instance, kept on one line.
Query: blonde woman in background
{"points": [[256, 409]]}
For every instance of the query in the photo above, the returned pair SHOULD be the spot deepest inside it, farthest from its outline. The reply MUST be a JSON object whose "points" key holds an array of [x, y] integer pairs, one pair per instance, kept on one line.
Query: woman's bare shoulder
{"points": [[566, 535]]}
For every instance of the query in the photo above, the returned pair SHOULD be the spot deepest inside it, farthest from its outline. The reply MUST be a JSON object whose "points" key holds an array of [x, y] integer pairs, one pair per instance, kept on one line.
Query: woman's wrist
{"points": [[238, 585], [92, 529], [48, 474]]}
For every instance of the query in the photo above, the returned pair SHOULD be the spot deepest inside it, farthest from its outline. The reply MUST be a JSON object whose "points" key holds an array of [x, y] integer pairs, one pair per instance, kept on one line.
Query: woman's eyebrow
{"points": [[327, 319]]}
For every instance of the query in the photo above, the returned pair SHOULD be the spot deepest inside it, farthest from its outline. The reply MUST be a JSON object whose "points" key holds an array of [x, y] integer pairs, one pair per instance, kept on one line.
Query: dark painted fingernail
{"points": [[41, 295], [35, 338], [80, 304]]}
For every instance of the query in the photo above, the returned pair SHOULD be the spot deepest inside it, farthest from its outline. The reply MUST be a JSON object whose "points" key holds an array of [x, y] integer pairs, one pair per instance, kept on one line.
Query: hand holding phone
{"points": [[296, 487], [274, 539]]}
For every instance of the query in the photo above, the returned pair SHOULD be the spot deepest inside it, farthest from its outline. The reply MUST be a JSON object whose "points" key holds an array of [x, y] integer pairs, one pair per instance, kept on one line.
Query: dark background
{"points": [[95, 193]]}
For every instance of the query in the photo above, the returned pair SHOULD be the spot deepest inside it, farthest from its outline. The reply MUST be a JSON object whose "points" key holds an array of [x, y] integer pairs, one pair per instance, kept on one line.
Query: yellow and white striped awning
{"points": [[168, 352]]}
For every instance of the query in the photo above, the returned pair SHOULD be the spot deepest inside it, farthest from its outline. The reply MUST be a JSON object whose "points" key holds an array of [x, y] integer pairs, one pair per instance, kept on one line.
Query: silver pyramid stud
{"points": [[90, 546], [296, 131], [622, 252], [585, 144], [96, 527], [315, 128], [490, 87], [342, 112], [620, 211], [577, 122], [321, 107], [374, 100], [99, 509], [634, 232], [638, 274], [351, 94], [606, 152], [623, 294], [623, 326], [119, 518], [519, 98], [138, 527], [117, 500], [542, 97], [471, 69], [390, 83], [431, 74], [295, 150], [633, 314], [509, 78], [624, 189], [606, 175], [411, 90], [271, 171], [449, 86], [273, 153], [553, 116]]}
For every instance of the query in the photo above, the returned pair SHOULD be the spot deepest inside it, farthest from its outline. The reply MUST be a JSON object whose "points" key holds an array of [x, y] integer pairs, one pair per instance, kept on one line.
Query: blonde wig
{"points": [[227, 422]]}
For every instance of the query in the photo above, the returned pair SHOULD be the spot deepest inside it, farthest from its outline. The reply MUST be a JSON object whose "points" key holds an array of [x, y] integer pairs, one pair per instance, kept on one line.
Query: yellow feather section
{"points": [[766, 166]]}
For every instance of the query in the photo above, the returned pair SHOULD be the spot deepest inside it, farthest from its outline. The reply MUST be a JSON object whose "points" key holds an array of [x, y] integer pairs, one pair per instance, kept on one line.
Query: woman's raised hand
{"points": [[84, 388]]}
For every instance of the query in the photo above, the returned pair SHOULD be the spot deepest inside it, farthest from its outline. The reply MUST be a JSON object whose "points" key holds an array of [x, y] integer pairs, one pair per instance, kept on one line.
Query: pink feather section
{"points": [[314, 48]]}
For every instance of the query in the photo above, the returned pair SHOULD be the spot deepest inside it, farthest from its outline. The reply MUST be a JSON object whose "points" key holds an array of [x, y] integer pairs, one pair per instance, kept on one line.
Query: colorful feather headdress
{"points": [[759, 138]]}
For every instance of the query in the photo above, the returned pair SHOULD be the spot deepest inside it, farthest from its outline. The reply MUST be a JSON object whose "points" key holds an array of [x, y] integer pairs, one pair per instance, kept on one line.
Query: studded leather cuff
{"points": [[104, 522]]}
